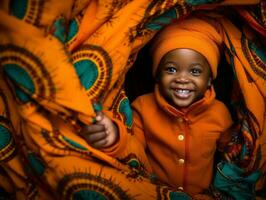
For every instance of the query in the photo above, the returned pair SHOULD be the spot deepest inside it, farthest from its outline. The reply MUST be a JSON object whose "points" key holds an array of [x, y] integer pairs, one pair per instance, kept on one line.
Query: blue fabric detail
{"points": [[232, 180], [97, 107], [36, 164], [125, 109], [74, 144], [72, 29], [22, 95], [243, 151], [134, 163], [199, 2], [162, 20], [153, 177], [20, 77], [261, 53], [88, 194], [179, 196], [87, 72], [5, 137], [18, 8], [60, 29]]}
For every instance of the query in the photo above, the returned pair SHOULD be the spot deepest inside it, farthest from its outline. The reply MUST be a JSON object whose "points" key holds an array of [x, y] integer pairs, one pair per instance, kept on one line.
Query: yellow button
{"points": [[181, 161], [180, 188], [181, 137]]}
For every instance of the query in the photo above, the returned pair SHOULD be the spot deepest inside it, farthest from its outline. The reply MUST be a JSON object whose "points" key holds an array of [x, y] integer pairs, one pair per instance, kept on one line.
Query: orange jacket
{"points": [[181, 145]]}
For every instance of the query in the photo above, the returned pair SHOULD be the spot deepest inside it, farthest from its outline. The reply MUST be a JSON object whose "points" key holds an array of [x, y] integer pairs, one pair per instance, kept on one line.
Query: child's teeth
{"points": [[183, 91]]}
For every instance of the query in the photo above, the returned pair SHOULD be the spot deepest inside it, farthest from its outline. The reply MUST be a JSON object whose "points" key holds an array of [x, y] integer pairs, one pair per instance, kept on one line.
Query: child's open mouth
{"points": [[182, 93]]}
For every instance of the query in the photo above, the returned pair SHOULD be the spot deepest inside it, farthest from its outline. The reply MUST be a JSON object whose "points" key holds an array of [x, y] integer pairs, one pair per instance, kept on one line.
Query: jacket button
{"points": [[181, 137], [181, 161], [180, 188]]}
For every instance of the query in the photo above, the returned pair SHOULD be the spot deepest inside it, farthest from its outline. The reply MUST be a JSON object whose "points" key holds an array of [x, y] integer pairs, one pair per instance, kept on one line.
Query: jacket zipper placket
{"points": [[187, 140]]}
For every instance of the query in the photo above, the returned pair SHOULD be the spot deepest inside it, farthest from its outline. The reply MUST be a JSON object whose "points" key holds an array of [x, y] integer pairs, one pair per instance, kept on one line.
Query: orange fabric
{"points": [[242, 56], [171, 136], [192, 33], [59, 57], [47, 93]]}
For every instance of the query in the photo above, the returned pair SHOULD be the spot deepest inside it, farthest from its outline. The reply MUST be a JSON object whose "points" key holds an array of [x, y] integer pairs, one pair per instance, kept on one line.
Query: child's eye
{"points": [[196, 71], [170, 69]]}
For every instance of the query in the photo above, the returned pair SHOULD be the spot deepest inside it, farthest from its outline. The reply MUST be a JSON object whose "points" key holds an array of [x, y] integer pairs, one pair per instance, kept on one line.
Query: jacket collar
{"points": [[189, 112]]}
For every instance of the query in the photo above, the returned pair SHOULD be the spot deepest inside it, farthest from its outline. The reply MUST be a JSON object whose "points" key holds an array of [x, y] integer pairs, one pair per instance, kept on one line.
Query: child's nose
{"points": [[181, 78]]}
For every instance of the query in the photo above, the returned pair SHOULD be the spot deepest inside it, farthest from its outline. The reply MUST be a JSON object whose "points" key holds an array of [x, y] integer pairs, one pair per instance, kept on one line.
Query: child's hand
{"points": [[102, 134]]}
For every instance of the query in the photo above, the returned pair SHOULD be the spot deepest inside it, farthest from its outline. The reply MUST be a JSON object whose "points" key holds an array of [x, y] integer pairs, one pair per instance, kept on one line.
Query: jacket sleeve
{"points": [[120, 146], [128, 145], [138, 127]]}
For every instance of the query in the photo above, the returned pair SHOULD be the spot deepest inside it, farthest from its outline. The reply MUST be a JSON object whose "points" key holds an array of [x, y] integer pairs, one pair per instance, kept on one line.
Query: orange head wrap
{"points": [[195, 34]]}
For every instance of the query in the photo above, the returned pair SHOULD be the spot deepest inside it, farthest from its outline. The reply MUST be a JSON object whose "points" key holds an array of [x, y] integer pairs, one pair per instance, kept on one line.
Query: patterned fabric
{"points": [[58, 58]]}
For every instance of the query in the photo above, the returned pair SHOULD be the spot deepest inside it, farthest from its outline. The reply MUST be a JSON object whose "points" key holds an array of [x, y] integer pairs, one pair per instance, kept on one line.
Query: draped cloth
{"points": [[61, 61]]}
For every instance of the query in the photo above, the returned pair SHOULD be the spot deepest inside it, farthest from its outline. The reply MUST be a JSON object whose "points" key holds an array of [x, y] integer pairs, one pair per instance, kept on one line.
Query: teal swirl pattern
{"points": [[26, 72], [94, 68], [89, 186], [27, 10], [7, 143]]}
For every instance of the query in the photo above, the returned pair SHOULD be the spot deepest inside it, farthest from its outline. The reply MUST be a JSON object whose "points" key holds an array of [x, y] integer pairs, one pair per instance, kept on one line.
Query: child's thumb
{"points": [[99, 116]]}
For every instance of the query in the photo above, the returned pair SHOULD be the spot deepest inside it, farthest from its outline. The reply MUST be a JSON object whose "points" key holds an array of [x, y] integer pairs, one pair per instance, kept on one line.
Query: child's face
{"points": [[183, 77]]}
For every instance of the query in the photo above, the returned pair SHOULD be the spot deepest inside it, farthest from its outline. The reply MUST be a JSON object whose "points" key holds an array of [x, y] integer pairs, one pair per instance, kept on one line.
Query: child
{"points": [[181, 123]]}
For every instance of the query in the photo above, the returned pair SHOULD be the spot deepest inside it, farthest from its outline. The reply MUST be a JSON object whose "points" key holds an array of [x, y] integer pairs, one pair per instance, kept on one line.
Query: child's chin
{"points": [[182, 105]]}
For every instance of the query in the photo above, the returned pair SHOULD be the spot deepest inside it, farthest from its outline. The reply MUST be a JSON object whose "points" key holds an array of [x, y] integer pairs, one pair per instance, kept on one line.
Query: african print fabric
{"points": [[59, 59]]}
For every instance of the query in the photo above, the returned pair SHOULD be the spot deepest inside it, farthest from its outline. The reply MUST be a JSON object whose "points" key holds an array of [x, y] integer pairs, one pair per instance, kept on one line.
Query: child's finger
{"points": [[100, 144], [92, 138], [94, 128], [99, 116]]}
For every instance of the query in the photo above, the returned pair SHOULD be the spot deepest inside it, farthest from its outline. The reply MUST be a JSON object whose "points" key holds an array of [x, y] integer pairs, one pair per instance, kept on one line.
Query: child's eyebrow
{"points": [[196, 63], [170, 62]]}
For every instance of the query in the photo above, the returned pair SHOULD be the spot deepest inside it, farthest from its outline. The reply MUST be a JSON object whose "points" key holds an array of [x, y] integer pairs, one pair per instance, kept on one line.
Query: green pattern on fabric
{"points": [[134, 163], [5, 137], [88, 194], [59, 29], [179, 196], [22, 95], [200, 2], [36, 164], [97, 107], [87, 72], [232, 180], [20, 77], [72, 29], [74, 144], [243, 151], [162, 20], [125, 109], [260, 52], [18, 8]]}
